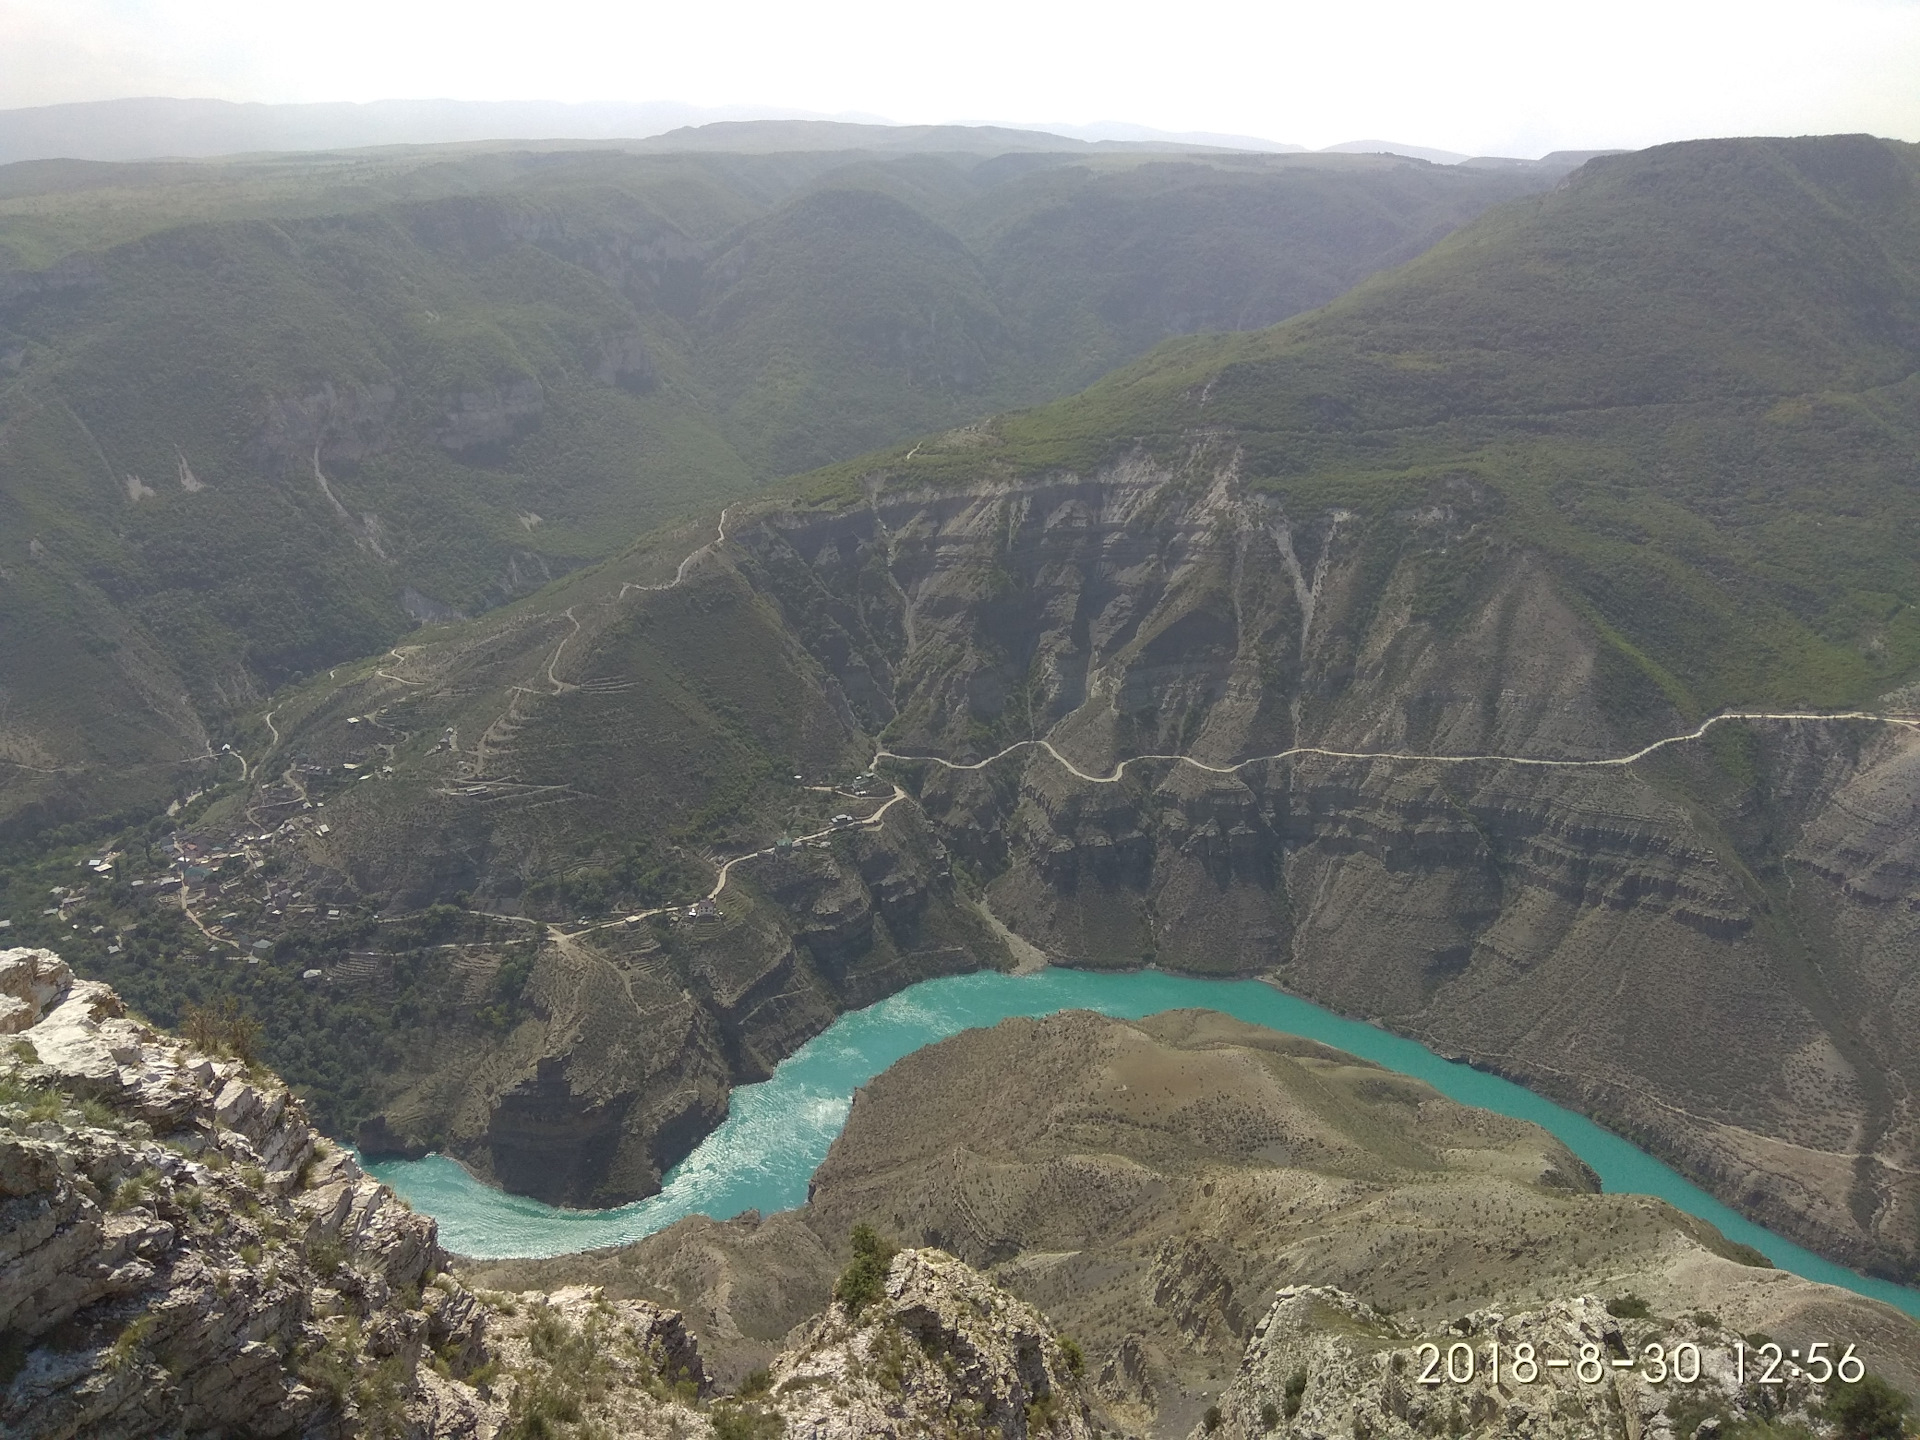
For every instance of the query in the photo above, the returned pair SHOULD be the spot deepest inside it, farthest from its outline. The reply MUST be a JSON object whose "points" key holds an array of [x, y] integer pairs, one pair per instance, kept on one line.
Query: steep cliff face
{"points": [[1580, 927], [178, 1249], [1153, 715], [633, 1034], [180, 1253]]}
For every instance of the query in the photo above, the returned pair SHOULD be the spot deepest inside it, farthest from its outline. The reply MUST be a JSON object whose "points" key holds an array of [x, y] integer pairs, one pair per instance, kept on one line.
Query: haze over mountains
{"points": [[561, 538], [160, 128]]}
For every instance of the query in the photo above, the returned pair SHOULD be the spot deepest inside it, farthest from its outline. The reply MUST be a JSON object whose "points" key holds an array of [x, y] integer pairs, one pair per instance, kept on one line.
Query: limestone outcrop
{"points": [[1323, 1363], [942, 1352], [179, 1251]]}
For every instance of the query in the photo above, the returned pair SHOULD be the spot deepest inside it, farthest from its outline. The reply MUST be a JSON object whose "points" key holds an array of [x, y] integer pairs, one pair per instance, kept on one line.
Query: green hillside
{"points": [[257, 418], [1688, 376]]}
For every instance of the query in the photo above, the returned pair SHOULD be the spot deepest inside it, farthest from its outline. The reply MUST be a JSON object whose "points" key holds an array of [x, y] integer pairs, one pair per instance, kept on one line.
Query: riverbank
{"points": [[777, 1133]]}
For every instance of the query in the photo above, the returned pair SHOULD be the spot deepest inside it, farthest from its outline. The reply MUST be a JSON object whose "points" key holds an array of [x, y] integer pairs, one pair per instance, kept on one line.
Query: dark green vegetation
{"points": [[862, 1282], [1869, 1410], [259, 418]]}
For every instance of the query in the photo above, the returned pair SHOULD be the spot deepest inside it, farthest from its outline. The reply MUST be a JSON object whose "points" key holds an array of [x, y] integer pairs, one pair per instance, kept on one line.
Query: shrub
{"points": [[222, 1027], [747, 1422], [132, 1191], [120, 1356], [1211, 1419], [1629, 1307], [327, 1371], [97, 1113], [1041, 1412], [1076, 1357], [1269, 1415], [326, 1255], [541, 1412], [864, 1281], [381, 1397], [1295, 1392], [1868, 1409], [46, 1105]]}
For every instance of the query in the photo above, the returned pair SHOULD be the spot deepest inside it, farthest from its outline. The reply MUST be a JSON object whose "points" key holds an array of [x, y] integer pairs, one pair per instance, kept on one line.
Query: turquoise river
{"points": [[777, 1133]]}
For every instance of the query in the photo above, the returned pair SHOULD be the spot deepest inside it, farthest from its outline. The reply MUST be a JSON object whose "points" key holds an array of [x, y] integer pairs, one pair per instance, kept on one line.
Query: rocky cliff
{"points": [[180, 1253], [1575, 926], [940, 1352], [178, 1248]]}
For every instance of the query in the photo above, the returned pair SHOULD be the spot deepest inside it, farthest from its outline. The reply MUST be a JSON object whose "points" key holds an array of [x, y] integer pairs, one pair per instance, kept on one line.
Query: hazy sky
{"points": [[1481, 76]]}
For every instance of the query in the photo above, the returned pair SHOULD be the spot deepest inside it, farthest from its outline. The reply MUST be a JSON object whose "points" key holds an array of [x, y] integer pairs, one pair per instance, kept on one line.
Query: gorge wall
{"points": [[1700, 949]]}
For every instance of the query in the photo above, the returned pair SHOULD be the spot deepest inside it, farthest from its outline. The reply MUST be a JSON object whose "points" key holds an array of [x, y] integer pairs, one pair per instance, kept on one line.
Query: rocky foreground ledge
{"points": [[1324, 1364], [181, 1254]]}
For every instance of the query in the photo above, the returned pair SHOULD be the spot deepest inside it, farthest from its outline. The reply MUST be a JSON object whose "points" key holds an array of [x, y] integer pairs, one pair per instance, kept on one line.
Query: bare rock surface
{"points": [[943, 1352], [179, 1252], [1323, 1363]]}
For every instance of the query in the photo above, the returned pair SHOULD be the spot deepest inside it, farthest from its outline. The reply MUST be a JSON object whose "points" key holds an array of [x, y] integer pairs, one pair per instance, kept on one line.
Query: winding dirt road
{"points": [[1118, 772]]}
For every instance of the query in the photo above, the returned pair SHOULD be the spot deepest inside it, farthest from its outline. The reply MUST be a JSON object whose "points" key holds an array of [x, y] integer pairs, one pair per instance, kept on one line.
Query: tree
{"points": [[864, 1281]]}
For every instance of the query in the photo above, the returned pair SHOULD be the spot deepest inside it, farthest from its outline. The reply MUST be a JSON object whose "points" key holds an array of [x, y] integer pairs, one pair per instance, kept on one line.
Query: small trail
{"points": [[1614, 762], [187, 910], [680, 575], [556, 686], [399, 654], [274, 731], [726, 870], [560, 687]]}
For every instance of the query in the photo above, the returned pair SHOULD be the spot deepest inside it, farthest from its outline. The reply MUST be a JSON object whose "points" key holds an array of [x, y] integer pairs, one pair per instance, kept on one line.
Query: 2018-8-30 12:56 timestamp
{"points": [[1521, 1364]]}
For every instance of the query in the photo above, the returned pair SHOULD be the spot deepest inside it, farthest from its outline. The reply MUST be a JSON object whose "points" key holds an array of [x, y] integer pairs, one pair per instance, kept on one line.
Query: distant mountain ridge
{"points": [[155, 128]]}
